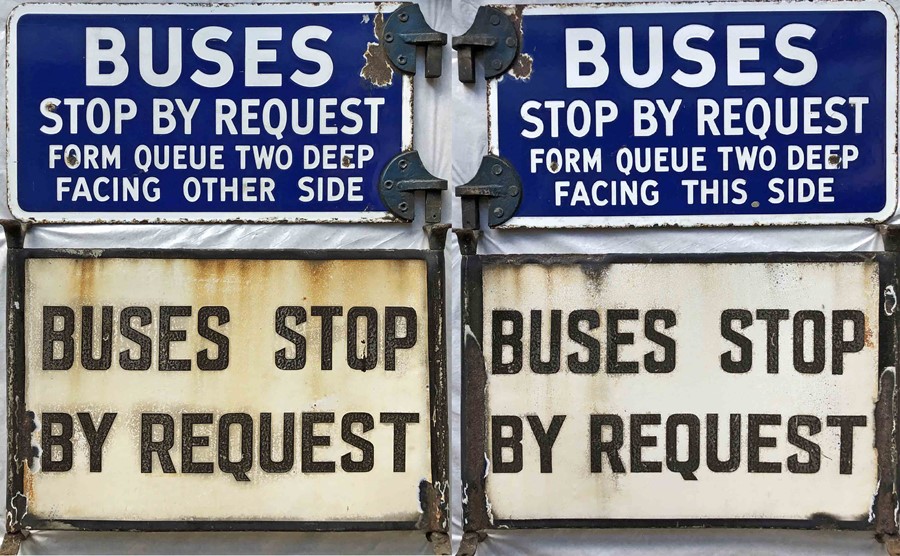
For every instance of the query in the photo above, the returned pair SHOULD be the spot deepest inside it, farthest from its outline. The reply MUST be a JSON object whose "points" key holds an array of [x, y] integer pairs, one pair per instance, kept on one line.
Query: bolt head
{"points": [[388, 184], [498, 212], [510, 42], [495, 20], [388, 37], [496, 64], [401, 59], [403, 207], [513, 191], [497, 169], [403, 164], [404, 17]]}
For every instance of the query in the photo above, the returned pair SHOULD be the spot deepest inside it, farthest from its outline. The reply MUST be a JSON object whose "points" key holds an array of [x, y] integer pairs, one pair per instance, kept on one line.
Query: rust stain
{"points": [[524, 63], [869, 335], [71, 159], [28, 484], [208, 267], [319, 275], [190, 218], [521, 68], [377, 69], [247, 273], [86, 278]]}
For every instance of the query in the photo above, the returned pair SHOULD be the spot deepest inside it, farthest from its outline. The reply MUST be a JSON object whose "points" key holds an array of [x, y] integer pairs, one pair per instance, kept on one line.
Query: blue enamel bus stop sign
{"points": [[690, 114], [181, 113]]}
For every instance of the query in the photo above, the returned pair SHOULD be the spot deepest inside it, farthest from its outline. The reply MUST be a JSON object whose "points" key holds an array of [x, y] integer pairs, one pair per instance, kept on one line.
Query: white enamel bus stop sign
{"points": [[730, 390]]}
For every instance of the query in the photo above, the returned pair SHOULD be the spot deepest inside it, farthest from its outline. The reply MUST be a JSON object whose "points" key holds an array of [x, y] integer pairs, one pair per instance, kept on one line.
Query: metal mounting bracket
{"points": [[497, 181], [494, 35], [12, 540], [402, 177], [890, 233], [437, 235], [407, 29], [469, 543], [15, 233], [440, 543]]}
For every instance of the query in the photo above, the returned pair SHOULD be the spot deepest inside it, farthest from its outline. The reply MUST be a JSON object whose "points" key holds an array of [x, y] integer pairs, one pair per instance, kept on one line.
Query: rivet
{"points": [[388, 37], [496, 64], [513, 190], [401, 59], [498, 212], [510, 42], [495, 20], [497, 169], [403, 207], [404, 17], [403, 164], [388, 184]]}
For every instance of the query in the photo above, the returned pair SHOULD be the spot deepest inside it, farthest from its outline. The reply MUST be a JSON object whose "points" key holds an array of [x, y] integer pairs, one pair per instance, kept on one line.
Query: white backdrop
{"points": [[450, 134]]}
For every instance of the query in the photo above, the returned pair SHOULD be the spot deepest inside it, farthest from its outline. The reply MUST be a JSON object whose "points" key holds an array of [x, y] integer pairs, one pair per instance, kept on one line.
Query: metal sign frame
{"points": [[434, 501], [138, 217], [892, 119], [475, 390]]}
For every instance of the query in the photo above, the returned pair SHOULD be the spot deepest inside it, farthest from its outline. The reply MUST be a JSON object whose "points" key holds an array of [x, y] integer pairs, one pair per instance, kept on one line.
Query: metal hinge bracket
{"points": [[492, 34], [402, 177], [407, 29], [498, 182]]}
